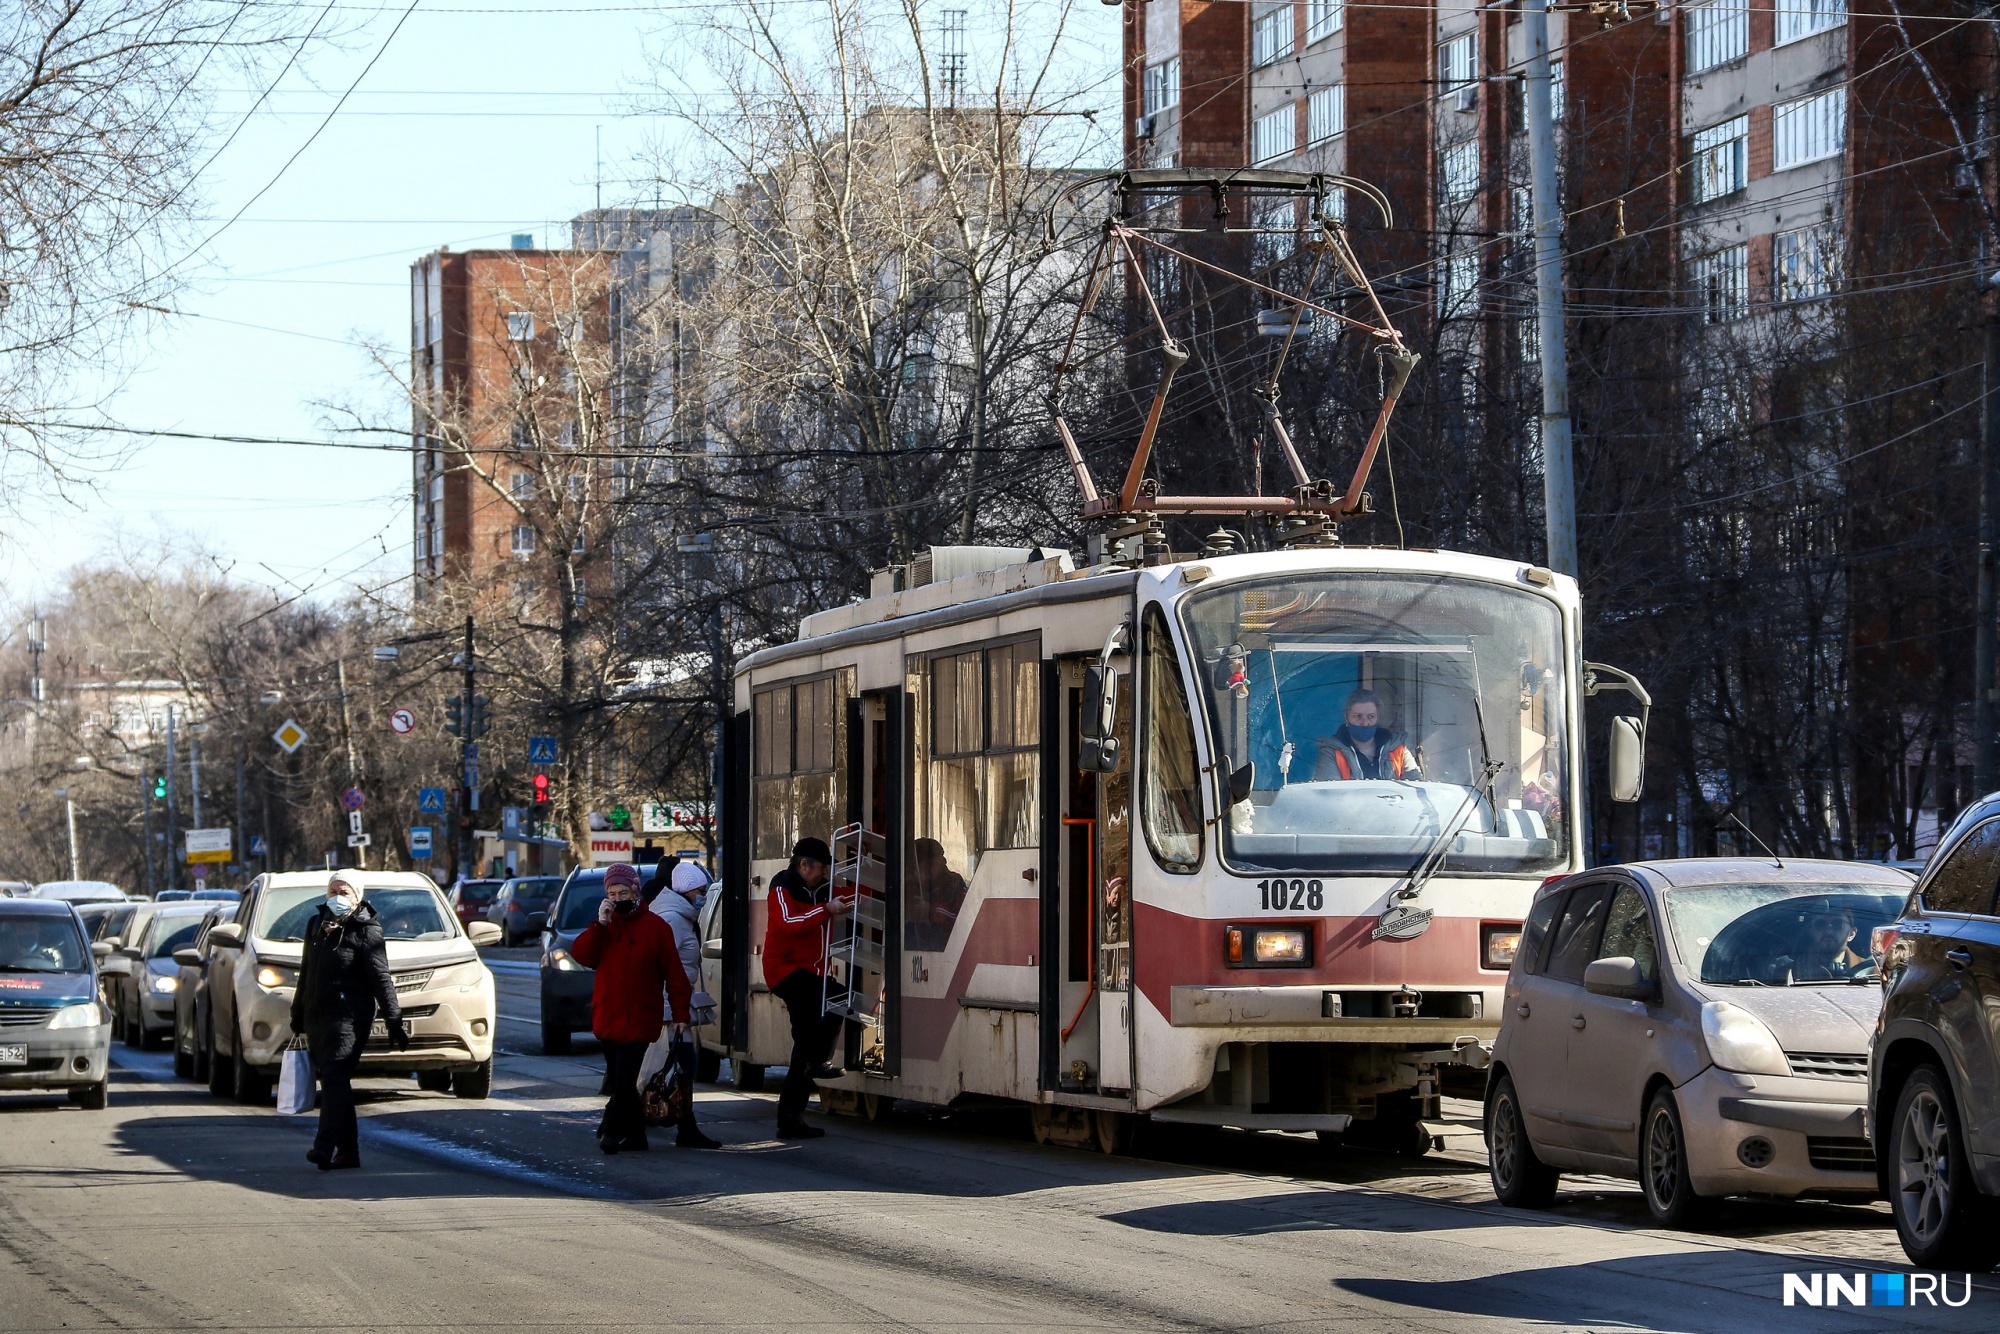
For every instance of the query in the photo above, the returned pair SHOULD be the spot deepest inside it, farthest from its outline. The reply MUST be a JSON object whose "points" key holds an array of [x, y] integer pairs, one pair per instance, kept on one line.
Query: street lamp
{"points": [[69, 810]]}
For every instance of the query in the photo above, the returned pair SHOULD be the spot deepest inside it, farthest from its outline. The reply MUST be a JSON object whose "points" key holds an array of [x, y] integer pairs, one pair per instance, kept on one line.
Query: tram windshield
{"points": [[1387, 717]]}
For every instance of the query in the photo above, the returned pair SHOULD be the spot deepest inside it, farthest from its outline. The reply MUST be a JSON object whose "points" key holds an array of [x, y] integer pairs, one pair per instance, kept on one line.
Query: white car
{"points": [[81, 891], [445, 992]]}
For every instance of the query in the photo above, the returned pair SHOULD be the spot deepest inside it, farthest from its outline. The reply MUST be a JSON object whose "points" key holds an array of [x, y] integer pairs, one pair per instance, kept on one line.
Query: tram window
{"points": [[1171, 784], [795, 747], [978, 773]]}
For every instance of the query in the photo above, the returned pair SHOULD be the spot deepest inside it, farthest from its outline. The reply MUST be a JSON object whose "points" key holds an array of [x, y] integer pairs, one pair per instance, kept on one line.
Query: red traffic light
{"points": [[541, 788]]}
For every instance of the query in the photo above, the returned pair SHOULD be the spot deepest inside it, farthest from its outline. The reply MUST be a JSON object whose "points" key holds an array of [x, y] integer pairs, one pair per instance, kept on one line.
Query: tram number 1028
{"points": [[1291, 895]]}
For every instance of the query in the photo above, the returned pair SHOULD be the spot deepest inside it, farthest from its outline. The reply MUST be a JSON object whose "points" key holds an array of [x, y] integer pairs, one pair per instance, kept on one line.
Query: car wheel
{"points": [[434, 1081], [707, 1065], [1663, 1166], [91, 1097], [474, 1081], [219, 1069], [1941, 1218], [1521, 1179], [183, 1058], [555, 1038], [250, 1085]]}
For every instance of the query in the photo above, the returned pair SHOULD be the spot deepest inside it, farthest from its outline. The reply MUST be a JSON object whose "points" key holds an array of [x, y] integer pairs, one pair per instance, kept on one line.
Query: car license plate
{"points": [[17, 1054], [380, 1029]]}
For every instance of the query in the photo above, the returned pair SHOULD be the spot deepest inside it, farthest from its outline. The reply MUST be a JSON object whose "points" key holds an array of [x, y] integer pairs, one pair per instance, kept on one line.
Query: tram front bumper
{"points": [[1322, 1013]]}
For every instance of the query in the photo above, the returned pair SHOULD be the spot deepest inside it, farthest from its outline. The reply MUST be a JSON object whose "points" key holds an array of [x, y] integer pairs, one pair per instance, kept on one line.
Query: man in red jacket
{"points": [[801, 912], [635, 956]]}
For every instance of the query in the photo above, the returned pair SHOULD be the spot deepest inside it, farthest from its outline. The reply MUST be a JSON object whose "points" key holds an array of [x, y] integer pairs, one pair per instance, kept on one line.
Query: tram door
{"points": [[1096, 911]]}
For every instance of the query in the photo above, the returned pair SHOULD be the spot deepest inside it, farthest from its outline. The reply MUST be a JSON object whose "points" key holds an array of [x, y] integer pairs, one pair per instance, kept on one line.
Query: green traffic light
{"points": [[159, 787]]}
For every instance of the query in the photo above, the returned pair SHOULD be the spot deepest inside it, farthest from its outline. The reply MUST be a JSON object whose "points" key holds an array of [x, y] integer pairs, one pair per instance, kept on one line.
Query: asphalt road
{"points": [[175, 1210]]}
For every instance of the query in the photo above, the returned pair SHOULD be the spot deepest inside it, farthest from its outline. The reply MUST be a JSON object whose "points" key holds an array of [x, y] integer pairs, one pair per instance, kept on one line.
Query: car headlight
{"points": [[1267, 947], [87, 1015], [271, 978], [1738, 1040], [561, 962], [1498, 945], [166, 983]]}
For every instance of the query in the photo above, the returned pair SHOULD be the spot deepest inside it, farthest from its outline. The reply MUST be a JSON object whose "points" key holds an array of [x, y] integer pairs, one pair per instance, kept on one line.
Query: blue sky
{"points": [[476, 123]]}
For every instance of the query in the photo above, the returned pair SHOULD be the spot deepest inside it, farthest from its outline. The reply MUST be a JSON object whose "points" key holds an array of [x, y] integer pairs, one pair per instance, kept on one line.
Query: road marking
{"points": [[517, 1019]]}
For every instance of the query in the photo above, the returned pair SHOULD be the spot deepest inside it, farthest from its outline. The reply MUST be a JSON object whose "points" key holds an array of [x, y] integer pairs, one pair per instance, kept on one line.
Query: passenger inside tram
{"points": [[1450, 714], [938, 894]]}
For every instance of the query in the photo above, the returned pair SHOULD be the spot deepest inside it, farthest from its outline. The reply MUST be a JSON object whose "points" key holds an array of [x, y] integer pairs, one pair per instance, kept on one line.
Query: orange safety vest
{"points": [[1399, 762]]}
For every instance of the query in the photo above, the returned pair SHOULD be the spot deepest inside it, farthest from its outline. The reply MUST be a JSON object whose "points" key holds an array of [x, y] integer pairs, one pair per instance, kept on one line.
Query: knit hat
{"points": [[814, 849], [621, 874], [688, 877]]}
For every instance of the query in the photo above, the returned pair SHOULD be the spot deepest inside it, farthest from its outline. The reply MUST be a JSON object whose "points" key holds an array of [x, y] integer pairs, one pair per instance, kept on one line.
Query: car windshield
{"points": [[579, 902], [174, 933], [1370, 706], [40, 944], [1780, 935], [478, 893], [408, 912], [538, 892]]}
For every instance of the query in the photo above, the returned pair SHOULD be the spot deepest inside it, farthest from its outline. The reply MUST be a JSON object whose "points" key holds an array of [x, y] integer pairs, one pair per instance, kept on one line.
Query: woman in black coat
{"points": [[343, 979]]}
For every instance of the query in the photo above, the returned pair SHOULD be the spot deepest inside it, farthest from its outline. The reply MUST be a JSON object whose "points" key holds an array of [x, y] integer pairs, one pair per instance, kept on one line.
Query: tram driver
{"points": [[1363, 748]]}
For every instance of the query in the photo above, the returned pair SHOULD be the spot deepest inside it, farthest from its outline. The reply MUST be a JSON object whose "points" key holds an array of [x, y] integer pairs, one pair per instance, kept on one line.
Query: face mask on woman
{"points": [[341, 904], [624, 907]]}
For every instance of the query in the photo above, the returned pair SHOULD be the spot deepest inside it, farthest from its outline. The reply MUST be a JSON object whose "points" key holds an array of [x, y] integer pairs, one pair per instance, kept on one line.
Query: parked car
{"points": [[53, 1030], [142, 1000], [217, 895], [15, 889], [521, 908], [566, 984], [471, 898], [191, 996], [81, 891], [1934, 1069], [173, 895], [446, 993], [101, 921], [1700, 1025]]}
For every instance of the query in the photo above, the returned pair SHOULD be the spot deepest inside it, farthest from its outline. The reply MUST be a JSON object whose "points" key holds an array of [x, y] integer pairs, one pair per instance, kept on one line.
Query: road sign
{"points": [[430, 800], [289, 735], [354, 822], [420, 841], [207, 845], [541, 750], [402, 722], [357, 840], [352, 798], [259, 848]]}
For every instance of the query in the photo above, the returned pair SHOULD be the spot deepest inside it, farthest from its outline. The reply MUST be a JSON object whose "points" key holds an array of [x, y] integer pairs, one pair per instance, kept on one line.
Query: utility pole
{"points": [[1558, 461], [69, 811], [347, 737], [146, 827], [1986, 596], [173, 877], [237, 838], [468, 759], [194, 771]]}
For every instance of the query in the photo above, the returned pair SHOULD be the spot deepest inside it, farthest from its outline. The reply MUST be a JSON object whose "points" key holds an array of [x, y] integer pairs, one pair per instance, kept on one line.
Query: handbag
{"points": [[666, 1096], [701, 1008], [295, 1082]]}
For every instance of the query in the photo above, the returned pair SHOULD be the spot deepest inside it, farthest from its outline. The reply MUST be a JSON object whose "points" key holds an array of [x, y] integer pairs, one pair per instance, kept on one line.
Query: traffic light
{"points": [[159, 785], [541, 789], [454, 716], [480, 724]]}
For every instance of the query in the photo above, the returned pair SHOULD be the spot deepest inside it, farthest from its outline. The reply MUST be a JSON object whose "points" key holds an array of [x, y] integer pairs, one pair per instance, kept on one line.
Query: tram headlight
{"points": [[1267, 946], [1498, 944]]}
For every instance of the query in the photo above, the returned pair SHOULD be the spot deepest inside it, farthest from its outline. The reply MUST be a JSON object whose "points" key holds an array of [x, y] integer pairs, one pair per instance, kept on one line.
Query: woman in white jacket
{"points": [[680, 905]]}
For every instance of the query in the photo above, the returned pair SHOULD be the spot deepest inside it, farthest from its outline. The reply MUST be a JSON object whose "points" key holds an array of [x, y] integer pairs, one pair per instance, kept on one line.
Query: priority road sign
{"points": [[353, 798], [289, 735], [541, 750], [430, 800]]}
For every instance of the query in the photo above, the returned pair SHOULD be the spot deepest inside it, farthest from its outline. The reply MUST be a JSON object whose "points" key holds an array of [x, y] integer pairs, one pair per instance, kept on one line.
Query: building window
{"points": [[1326, 114], [520, 326], [1323, 19], [524, 540], [1808, 130], [1163, 85], [576, 547], [522, 486], [1275, 135], [1558, 91], [1721, 282], [1457, 280], [1803, 18], [1717, 33], [1271, 35], [1803, 262], [1459, 169], [1721, 159], [1455, 59]]}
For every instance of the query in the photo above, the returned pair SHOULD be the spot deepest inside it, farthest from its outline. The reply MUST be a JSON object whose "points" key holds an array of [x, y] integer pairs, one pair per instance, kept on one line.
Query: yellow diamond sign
{"points": [[289, 735]]}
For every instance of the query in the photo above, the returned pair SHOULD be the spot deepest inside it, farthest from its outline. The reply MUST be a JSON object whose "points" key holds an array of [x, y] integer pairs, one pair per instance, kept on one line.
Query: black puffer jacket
{"points": [[343, 980]]}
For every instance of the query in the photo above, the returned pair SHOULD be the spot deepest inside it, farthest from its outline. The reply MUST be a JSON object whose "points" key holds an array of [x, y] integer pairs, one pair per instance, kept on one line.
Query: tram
{"points": [[1121, 847]]}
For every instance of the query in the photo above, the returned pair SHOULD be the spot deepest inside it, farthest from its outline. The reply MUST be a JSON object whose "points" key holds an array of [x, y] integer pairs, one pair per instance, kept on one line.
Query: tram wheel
{"points": [[1114, 1131], [1041, 1121], [840, 1102], [875, 1106]]}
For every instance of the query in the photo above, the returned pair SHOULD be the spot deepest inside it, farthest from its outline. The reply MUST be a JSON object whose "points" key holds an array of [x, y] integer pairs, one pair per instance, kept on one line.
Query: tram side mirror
{"points": [[1099, 751], [1241, 781], [1627, 759]]}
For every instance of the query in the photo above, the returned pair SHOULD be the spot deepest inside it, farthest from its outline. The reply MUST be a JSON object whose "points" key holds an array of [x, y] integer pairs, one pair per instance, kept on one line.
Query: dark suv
{"points": [[1934, 1068], [567, 984]]}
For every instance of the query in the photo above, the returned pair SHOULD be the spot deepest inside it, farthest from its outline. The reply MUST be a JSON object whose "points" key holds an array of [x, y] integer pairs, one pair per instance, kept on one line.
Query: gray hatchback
{"points": [[1700, 1025], [54, 1033]]}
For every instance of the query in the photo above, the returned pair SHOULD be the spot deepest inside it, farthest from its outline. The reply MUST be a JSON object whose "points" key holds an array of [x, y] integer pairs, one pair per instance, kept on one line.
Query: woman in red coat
{"points": [[635, 957]]}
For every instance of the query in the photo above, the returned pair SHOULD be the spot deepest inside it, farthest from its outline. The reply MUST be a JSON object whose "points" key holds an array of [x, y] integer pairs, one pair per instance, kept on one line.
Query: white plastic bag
{"points": [[295, 1083], [656, 1056]]}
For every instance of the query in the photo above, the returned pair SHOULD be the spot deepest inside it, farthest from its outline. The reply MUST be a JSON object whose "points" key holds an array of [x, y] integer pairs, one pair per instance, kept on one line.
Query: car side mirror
{"points": [[115, 966], [101, 948], [482, 934], [187, 956], [1620, 977], [229, 935], [1627, 759]]}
